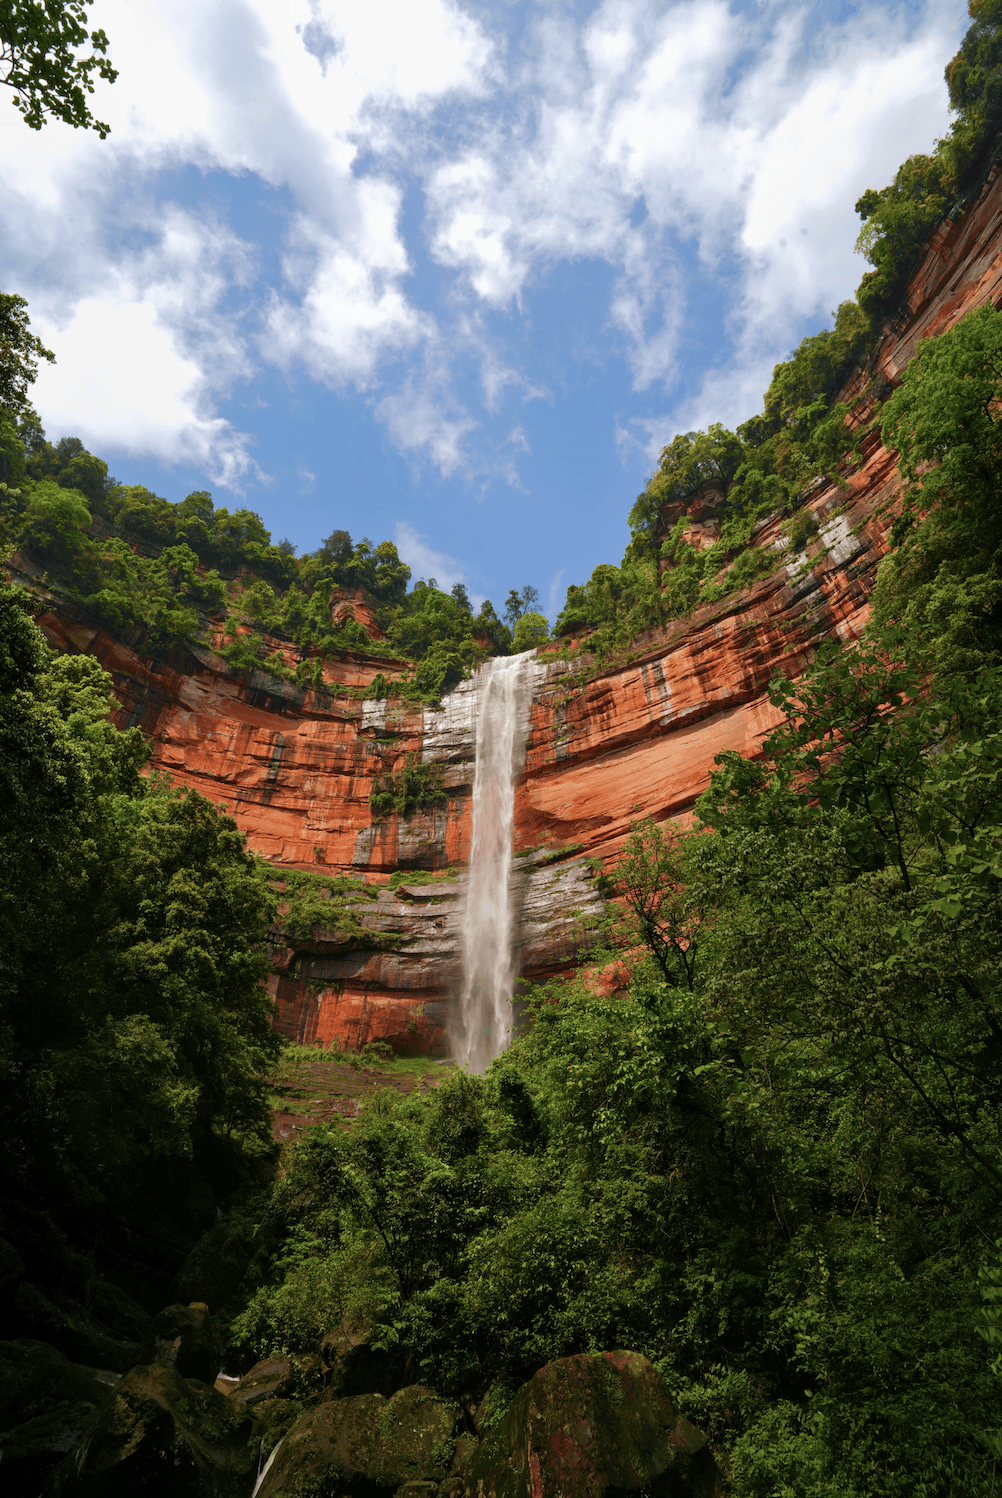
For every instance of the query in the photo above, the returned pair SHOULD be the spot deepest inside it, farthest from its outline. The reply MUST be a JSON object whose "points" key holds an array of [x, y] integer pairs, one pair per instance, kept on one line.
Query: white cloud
{"points": [[155, 407], [554, 603], [353, 313], [636, 145], [139, 360], [418, 420], [672, 142], [425, 562]]}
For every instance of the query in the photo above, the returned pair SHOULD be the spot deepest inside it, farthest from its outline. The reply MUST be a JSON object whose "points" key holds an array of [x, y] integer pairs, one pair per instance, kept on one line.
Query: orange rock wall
{"points": [[295, 768]]}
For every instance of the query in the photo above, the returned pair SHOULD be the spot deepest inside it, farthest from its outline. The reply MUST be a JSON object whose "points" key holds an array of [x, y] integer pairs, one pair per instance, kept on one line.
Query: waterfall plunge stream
{"points": [[485, 1017]]}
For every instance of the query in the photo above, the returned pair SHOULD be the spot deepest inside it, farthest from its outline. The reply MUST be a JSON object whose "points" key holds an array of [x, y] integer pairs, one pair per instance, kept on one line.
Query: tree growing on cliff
{"points": [[944, 574]]}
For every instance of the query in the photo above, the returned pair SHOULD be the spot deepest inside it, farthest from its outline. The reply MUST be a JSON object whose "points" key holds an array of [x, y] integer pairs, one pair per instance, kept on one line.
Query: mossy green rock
{"points": [[35, 1377], [590, 1425], [165, 1437], [183, 1339], [364, 1445], [73, 1330], [272, 1378], [30, 1451]]}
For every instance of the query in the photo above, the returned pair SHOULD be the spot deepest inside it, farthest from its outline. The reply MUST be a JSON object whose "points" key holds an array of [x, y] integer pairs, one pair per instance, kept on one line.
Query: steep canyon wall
{"points": [[296, 767]]}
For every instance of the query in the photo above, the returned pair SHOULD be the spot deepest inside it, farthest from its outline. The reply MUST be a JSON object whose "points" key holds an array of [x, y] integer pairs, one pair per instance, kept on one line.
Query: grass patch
{"points": [[553, 855], [422, 876]]}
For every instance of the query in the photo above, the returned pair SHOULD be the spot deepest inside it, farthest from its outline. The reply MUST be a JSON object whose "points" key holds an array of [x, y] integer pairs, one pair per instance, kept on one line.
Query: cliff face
{"points": [[295, 767]]}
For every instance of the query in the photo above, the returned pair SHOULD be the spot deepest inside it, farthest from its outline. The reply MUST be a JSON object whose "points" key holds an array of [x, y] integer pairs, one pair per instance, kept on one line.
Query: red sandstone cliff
{"points": [[295, 768]]}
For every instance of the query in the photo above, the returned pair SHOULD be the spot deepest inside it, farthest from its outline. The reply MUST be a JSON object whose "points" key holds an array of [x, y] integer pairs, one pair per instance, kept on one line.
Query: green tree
{"points": [[518, 604], [42, 59], [531, 629], [20, 352], [135, 1025], [944, 575]]}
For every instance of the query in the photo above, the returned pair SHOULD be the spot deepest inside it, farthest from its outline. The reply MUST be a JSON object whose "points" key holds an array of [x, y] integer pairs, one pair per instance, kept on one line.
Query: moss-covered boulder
{"points": [[165, 1437], [46, 1405], [272, 1378], [30, 1451], [183, 1339], [364, 1445], [72, 1329], [591, 1425], [35, 1378]]}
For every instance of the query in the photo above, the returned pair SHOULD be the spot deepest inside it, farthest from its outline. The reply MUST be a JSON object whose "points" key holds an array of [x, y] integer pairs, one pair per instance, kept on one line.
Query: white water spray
{"points": [[485, 1017]]}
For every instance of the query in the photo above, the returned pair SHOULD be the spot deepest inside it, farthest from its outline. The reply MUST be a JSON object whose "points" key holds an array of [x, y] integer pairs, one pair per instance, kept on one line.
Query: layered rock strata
{"points": [[296, 767]]}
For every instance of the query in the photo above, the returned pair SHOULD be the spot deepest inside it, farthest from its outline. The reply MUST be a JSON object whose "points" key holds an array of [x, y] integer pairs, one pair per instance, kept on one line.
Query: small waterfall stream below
{"points": [[504, 687]]}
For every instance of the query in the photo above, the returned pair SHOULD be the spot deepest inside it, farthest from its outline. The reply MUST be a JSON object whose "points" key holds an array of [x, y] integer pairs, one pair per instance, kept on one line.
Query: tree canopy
{"points": [[49, 60]]}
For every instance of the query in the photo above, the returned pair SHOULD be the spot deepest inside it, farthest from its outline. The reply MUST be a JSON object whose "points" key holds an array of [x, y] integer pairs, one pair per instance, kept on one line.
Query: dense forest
{"points": [[773, 1165]]}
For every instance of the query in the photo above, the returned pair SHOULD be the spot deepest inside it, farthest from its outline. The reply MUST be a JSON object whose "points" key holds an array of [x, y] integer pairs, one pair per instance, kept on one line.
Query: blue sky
{"points": [[451, 274]]}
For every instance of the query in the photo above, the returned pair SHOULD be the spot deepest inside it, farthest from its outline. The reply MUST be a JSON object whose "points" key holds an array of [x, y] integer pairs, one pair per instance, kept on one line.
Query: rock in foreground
{"points": [[591, 1425]]}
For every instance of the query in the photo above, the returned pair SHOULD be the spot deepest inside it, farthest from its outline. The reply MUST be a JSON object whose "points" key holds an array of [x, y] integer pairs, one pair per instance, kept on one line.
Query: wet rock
{"points": [[366, 1444], [183, 1340], [591, 1425], [268, 1379], [162, 1436], [356, 1368]]}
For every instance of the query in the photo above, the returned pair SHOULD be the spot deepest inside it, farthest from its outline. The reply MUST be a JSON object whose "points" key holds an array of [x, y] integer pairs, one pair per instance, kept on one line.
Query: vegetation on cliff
{"points": [[167, 575], [768, 464], [134, 1028], [774, 1167]]}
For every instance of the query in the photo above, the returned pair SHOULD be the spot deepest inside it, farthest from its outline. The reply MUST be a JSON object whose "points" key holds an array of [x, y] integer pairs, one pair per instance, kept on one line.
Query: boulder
{"points": [[164, 1437], [365, 1444], [35, 1378], [270, 1379], [30, 1451], [589, 1425], [183, 1340], [73, 1330]]}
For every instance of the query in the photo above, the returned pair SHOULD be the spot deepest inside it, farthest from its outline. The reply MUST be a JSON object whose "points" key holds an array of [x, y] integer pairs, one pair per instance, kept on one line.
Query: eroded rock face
{"points": [[588, 1425], [296, 768]]}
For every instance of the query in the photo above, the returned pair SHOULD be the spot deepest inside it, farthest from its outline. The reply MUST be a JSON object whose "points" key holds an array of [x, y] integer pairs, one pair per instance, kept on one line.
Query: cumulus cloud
{"points": [[419, 420], [425, 562], [649, 131], [691, 149]]}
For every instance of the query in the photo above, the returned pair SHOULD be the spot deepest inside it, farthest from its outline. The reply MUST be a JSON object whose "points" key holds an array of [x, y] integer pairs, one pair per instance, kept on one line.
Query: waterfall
{"points": [[485, 1016]]}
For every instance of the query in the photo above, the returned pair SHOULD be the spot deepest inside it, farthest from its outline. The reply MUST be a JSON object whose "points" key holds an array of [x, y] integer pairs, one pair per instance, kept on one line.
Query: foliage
{"points": [[134, 1025], [310, 902], [42, 61], [518, 604], [416, 787], [944, 576], [974, 77], [531, 630], [20, 352], [897, 221], [402, 877], [664, 902]]}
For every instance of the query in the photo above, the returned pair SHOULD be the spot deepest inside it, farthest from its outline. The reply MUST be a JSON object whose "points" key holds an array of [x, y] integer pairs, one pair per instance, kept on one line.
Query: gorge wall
{"points": [[296, 767]]}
